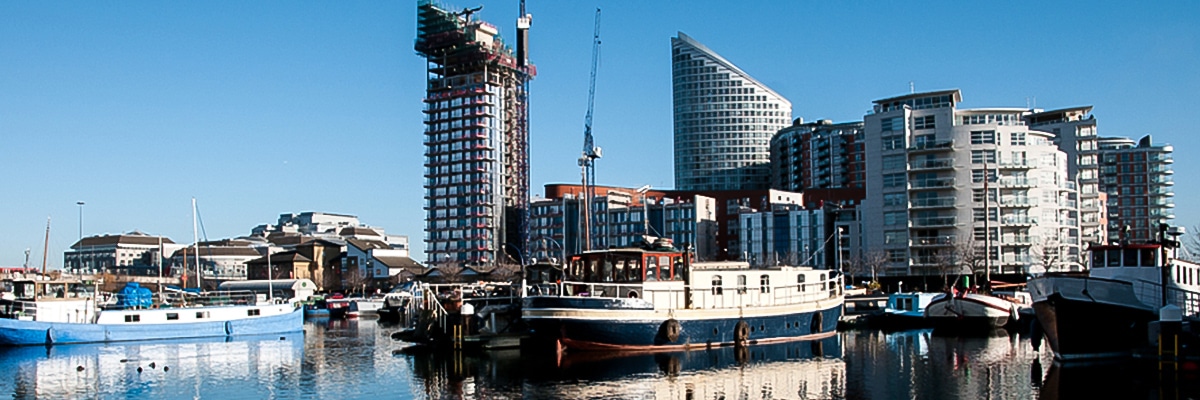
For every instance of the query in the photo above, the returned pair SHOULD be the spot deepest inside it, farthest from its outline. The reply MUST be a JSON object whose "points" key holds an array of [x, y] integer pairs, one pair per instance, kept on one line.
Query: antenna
{"points": [[912, 87]]}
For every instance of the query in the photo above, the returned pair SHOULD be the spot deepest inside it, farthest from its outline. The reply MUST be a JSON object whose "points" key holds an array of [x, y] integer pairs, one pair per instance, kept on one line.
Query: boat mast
{"points": [[195, 244], [46, 246]]}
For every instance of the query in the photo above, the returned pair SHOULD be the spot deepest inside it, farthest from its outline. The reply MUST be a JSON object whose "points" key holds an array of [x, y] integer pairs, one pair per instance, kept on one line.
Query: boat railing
{"points": [[707, 297], [203, 299]]}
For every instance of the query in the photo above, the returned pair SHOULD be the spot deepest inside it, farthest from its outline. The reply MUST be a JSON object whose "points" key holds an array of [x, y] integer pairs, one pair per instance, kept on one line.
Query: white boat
{"points": [[363, 307], [48, 312], [1110, 312], [905, 310], [655, 298], [970, 312]]}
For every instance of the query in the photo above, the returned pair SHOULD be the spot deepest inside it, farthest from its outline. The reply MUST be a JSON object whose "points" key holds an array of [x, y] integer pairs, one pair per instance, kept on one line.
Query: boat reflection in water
{"points": [[194, 368], [809, 369]]}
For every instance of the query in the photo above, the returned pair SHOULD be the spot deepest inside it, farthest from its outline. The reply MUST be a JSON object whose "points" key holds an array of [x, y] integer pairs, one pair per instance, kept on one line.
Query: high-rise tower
{"points": [[724, 120], [476, 136]]}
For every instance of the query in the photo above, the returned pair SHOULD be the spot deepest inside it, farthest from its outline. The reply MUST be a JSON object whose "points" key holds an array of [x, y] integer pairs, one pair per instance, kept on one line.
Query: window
{"points": [[133, 318], [983, 156], [201, 314], [983, 137], [926, 122], [800, 282], [895, 237], [651, 268], [977, 175], [741, 284], [894, 162], [252, 312], [172, 316], [891, 124], [893, 180], [893, 142], [1018, 138], [765, 283], [717, 290], [894, 199], [896, 256], [895, 218]]}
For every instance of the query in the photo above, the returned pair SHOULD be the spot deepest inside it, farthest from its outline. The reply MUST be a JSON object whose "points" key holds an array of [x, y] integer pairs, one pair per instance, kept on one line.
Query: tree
{"points": [[972, 256], [869, 263], [355, 278], [1049, 253], [1191, 245]]}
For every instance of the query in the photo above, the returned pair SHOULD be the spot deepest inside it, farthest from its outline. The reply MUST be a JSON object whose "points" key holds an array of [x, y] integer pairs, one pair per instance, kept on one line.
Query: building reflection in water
{"points": [[156, 369]]}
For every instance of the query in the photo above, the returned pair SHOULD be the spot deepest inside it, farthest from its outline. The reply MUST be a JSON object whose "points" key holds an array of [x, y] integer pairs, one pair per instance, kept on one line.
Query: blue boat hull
{"points": [[620, 332], [19, 333]]}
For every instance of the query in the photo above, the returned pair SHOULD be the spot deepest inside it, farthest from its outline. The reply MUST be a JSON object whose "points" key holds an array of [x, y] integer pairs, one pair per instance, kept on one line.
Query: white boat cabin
{"points": [[663, 278]]}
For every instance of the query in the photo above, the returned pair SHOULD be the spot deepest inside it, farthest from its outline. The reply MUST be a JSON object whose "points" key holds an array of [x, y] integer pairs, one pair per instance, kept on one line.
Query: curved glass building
{"points": [[724, 120]]}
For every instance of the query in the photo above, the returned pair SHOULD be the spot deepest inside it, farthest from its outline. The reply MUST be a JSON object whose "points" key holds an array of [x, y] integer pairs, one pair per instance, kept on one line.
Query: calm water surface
{"points": [[357, 359]]}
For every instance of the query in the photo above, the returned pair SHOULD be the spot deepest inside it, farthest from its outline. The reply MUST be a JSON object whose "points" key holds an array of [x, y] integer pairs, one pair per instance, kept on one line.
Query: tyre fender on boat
{"points": [[670, 330], [741, 332]]}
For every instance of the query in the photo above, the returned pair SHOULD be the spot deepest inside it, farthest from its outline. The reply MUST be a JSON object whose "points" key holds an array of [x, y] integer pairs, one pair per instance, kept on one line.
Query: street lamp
{"points": [[80, 204]]}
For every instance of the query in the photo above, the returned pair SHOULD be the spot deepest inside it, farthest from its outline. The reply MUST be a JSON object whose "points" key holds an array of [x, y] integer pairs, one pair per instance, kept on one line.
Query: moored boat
{"points": [[969, 313], [360, 307], [654, 298], [47, 312], [905, 310], [1110, 312]]}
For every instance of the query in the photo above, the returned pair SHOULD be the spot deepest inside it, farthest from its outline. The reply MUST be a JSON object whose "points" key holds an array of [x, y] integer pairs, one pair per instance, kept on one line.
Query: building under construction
{"points": [[476, 136]]}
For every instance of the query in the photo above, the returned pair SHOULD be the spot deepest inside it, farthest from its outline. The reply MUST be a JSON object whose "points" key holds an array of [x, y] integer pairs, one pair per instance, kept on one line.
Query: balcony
{"points": [[1018, 220], [932, 183], [939, 241], [1016, 240], [931, 146], [1161, 191], [1161, 158], [1018, 164], [936, 202], [932, 222], [1162, 180], [1016, 259], [929, 165], [1161, 169], [1022, 202], [1016, 183], [1162, 213]]}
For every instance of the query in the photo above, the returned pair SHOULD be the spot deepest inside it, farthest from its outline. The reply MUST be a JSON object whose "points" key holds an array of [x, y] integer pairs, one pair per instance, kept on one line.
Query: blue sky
{"points": [[261, 108]]}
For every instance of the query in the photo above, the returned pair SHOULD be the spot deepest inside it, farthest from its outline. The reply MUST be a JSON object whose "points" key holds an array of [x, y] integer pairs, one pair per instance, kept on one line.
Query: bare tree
{"points": [[1191, 245], [971, 255], [506, 272], [1049, 253], [870, 263], [946, 262], [355, 278]]}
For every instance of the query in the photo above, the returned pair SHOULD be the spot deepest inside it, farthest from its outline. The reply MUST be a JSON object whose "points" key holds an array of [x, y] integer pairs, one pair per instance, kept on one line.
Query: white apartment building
{"points": [[945, 186]]}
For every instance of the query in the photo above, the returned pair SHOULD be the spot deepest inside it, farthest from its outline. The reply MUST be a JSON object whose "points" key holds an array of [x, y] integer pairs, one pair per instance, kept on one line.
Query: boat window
{"points": [[575, 271], [651, 268], [717, 290], [664, 263], [741, 284], [1130, 259], [765, 283], [201, 314], [677, 267], [133, 318], [1148, 257], [1098, 259], [800, 282], [606, 271], [1114, 257], [252, 312], [635, 270], [172, 316]]}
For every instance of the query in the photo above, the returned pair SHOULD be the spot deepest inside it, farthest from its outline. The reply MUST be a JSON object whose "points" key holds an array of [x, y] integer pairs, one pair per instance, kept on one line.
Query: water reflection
{"points": [[357, 359], [785, 370], [262, 367]]}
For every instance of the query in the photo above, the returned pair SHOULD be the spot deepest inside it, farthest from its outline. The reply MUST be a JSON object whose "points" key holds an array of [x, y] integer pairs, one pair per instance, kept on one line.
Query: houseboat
{"points": [[1112, 310], [49, 312], [904, 310], [652, 297]]}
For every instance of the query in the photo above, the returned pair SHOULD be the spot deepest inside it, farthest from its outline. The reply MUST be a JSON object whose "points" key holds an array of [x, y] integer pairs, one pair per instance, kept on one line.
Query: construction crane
{"points": [[587, 162]]}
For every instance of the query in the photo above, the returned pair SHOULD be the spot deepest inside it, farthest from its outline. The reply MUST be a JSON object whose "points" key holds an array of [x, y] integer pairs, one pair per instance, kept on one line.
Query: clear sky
{"points": [[258, 108]]}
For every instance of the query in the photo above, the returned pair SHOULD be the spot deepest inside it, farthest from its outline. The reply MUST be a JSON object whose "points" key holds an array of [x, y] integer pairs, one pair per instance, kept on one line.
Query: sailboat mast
{"points": [[196, 244], [46, 246]]}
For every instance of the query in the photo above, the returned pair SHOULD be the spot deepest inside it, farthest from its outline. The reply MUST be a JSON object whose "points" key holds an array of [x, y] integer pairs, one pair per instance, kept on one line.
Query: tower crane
{"points": [[587, 161]]}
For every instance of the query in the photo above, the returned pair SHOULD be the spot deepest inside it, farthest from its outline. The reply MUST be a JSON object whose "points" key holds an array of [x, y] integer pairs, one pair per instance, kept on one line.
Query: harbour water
{"points": [[357, 359]]}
